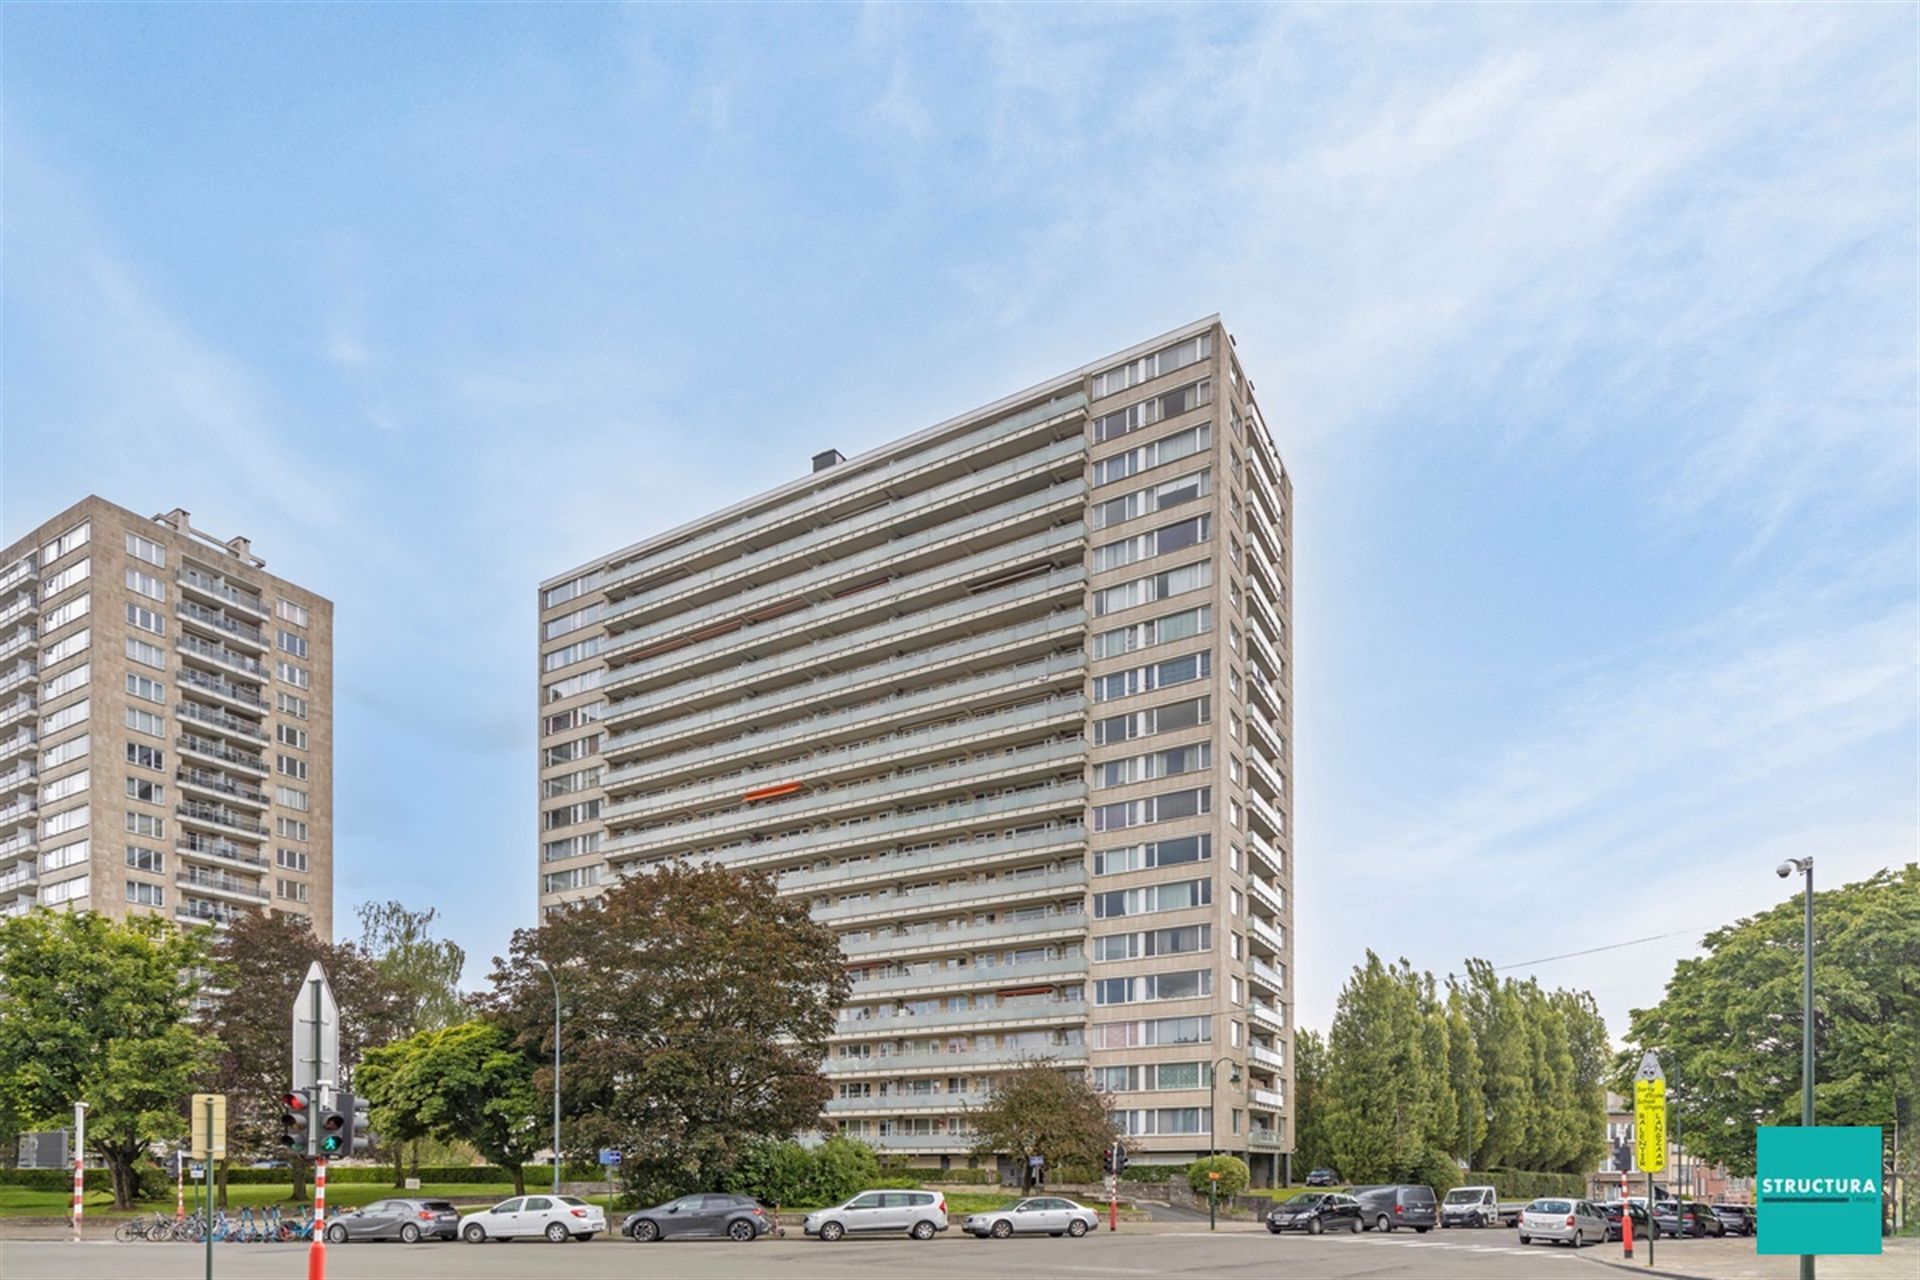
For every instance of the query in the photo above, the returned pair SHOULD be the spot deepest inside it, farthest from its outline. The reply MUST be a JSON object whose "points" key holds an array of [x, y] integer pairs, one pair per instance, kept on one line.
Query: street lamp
{"points": [[1213, 1097], [553, 978], [1805, 867]]}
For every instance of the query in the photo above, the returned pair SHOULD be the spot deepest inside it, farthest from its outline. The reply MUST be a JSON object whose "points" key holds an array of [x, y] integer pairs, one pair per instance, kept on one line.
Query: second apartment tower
{"points": [[1008, 701]]}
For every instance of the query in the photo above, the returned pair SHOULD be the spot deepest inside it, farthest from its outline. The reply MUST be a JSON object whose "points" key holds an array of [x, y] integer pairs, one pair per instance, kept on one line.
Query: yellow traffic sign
{"points": [[1650, 1125], [209, 1126]]}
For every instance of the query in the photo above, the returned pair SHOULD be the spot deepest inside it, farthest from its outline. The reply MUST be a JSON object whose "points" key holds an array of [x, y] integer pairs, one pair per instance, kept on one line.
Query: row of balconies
{"points": [[702, 669], [974, 895], [978, 496], [947, 938], [218, 620], [892, 478], [877, 1106], [213, 686], [1043, 1011], [221, 816], [965, 855], [971, 977], [220, 722], [194, 646], [1008, 1058], [213, 748], [223, 591]]}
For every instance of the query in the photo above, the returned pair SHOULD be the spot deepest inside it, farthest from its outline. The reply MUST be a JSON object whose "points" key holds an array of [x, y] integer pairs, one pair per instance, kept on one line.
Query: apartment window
{"points": [[1182, 984], [65, 718], [291, 890], [581, 683], [1144, 413], [289, 736], [1157, 631], [291, 798], [67, 855], [295, 676], [1158, 764], [1155, 675], [1233, 902], [147, 585], [567, 784], [571, 589], [1155, 542], [574, 878], [291, 643], [1158, 586], [66, 682], [287, 611], [141, 858], [60, 753], [146, 790], [51, 620], [1184, 940], [291, 705], [567, 752], [568, 815], [152, 826], [146, 619], [290, 828], [1233, 814], [1154, 453], [71, 785], [69, 577], [1233, 990], [65, 890], [151, 655], [67, 543], [146, 722], [578, 651], [1157, 853], [66, 648], [1175, 895], [575, 717], [142, 894], [1152, 1031], [1161, 362], [1159, 497], [142, 687], [291, 859], [146, 549], [292, 766], [570, 622], [1166, 718], [571, 846]]}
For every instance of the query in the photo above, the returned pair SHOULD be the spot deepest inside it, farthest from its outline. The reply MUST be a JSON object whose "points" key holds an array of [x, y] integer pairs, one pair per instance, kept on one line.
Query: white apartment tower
{"points": [[1008, 701]]}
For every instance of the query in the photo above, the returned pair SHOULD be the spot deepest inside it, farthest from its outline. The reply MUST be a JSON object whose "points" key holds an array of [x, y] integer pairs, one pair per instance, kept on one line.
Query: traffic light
{"points": [[1106, 1159], [335, 1136], [359, 1122], [1119, 1158], [296, 1114]]}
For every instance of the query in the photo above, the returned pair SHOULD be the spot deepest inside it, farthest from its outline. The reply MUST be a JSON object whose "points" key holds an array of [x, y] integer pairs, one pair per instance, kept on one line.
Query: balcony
{"points": [[220, 721], [1266, 1015], [957, 1103], [225, 592], [1039, 1010], [20, 641], [1269, 737], [946, 1063], [1266, 777], [227, 886], [220, 816], [1271, 897], [214, 749], [1257, 805], [1264, 932], [194, 844], [20, 608], [19, 571], [194, 646], [956, 1143], [19, 878], [19, 709], [969, 854], [20, 776], [962, 937], [972, 978], [221, 784], [211, 686], [875, 482], [1262, 972], [19, 811], [201, 911], [19, 844], [21, 739], [1265, 1098], [1265, 1140], [21, 673], [974, 895], [200, 615], [1273, 864], [1267, 1057]]}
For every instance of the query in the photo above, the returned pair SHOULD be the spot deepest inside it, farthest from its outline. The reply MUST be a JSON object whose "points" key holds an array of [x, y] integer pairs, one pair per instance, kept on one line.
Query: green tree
{"points": [[467, 1082], [1379, 1099], [1233, 1171], [1312, 1139], [698, 1005], [1469, 1087], [423, 971], [1729, 1024], [1497, 1022], [1041, 1109], [98, 1010]]}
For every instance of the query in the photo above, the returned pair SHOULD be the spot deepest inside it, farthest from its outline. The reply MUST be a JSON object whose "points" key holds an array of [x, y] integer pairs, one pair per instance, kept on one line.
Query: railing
{"points": [[226, 591], [975, 891], [221, 783], [1272, 975], [206, 912], [195, 845], [215, 618], [21, 706], [963, 935], [1265, 1139], [220, 653], [18, 609], [1269, 895], [22, 773], [1267, 1015], [20, 740], [23, 638], [17, 844], [901, 1024], [16, 878], [17, 810], [221, 751], [220, 720], [191, 679], [957, 1102], [892, 866], [219, 813], [225, 884], [902, 1063], [972, 977], [1268, 934], [1266, 1098], [1267, 1057], [19, 570], [18, 675]]}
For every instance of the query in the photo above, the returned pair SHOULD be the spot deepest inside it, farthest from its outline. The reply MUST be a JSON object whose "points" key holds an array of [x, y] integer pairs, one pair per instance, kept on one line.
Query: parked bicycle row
{"points": [[248, 1226]]}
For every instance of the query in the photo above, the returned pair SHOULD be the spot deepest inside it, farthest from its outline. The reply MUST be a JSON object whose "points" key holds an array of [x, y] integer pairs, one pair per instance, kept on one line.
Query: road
{"points": [[1152, 1250]]}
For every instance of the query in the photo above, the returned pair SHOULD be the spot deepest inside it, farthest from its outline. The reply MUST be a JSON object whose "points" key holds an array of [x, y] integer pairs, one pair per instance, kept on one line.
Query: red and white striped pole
{"points": [[79, 1166], [1626, 1217], [179, 1186], [317, 1251]]}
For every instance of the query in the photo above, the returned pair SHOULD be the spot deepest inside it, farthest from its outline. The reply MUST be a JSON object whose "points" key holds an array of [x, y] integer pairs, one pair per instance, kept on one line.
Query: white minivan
{"points": [[872, 1213], [1574, 1221]]}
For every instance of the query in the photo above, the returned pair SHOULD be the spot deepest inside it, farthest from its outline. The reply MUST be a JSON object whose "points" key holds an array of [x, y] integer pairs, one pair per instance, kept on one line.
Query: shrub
{"points": [[788, 1173], [1154, 1173], [1234, 1175], [1437, 1170], [966, 1177]]}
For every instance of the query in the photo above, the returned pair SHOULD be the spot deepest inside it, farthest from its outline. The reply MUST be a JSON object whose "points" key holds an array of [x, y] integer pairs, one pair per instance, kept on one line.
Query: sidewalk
{"points": [[1735, 1259]]}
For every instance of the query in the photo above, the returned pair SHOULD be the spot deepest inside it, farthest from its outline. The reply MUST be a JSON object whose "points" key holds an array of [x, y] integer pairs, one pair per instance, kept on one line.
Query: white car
{"points": [[1574, 1221], [915, 1213], [1036, 1214], [558, 1218]]}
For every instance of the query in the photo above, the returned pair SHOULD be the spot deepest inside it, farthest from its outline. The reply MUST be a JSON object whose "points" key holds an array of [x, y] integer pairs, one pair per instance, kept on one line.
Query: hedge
{"points": [[1154, 1172], [379, 1175], [1525, 1184]]}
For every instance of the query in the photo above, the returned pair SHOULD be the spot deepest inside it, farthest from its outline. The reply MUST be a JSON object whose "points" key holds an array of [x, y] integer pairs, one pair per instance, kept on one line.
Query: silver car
{"points": [[914, 1213], [1574, 1221], [1032, 1216]]}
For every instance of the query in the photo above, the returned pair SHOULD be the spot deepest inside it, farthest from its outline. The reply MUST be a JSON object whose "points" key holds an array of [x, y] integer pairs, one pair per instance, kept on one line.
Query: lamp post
{"points": [[553, 978], [1805, 867], [1213, 1098]]}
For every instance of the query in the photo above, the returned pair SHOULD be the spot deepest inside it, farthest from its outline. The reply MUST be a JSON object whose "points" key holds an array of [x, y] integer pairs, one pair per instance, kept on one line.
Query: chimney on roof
{"points": [[242, 547], [177, 518], [832, 457]]}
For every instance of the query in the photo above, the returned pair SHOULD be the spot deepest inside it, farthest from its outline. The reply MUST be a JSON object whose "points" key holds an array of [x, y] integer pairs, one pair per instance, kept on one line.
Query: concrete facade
{"points": [[1009, 702], [166, 724]]}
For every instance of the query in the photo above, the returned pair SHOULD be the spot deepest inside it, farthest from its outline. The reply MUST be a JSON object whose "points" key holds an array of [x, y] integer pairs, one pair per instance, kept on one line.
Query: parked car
{"points": [[1322, 1178], [739, 1218], [916, 1213], [1687, 1218], [1737, 1219], [1035, 1214], [1470, 1207], [558, 1218], [1644, 1227], [1315, 1212], [1575, 1221], [407, 1221], [1396, 1205]]}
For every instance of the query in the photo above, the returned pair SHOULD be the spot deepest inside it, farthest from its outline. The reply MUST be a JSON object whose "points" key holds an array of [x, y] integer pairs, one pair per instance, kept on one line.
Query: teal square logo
{"points": [[1818, 1190]]}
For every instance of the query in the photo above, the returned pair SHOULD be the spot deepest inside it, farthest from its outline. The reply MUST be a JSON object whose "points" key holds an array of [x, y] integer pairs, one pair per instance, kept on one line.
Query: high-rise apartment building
{"points": [[1008, 701], [166, 724]]}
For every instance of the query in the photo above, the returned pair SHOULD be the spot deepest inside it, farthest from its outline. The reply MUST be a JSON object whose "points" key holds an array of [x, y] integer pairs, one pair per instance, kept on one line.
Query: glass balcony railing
{"points": [[220, 720], [998, 889], [220, 782], [221, 815], [220, 622], [221, 751], [1041, 1009], [199, 845], [192, 679], [223, 590], [220, 653], [934, 937], [973, 853], [910, 1063]]}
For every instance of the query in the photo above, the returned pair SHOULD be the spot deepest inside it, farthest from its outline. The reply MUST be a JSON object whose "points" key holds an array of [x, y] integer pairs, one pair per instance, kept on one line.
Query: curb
{"points": [[1641, 1269]]}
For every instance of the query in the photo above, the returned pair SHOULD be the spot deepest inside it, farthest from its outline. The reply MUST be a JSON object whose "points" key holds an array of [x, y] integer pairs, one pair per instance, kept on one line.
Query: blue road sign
{"points": [[609, 1157]]}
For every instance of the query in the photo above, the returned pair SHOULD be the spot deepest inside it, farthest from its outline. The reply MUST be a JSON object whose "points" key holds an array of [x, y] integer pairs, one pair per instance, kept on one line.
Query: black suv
{"points": [[1315, 1212], [1736, 1218], [1320, 1178], [1644, 1228], [1388, 1208]]}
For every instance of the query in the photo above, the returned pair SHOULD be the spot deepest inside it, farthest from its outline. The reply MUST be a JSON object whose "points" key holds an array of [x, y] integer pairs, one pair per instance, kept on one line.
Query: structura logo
{"points": [[1818, 1190], [1819, 1186]]}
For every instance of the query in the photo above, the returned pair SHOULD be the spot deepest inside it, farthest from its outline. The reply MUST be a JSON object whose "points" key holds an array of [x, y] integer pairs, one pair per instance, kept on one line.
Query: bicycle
{"points": [[159, 1230]]}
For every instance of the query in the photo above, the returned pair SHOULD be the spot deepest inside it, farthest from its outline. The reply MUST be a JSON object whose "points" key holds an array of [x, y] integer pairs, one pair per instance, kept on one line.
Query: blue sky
{"points": [[1587, 332]]}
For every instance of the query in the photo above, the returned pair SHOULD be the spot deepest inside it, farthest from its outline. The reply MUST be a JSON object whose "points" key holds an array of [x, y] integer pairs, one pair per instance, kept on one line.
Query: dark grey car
{"points": [[1397, 1205], [407, 1221], [736, 1217]]}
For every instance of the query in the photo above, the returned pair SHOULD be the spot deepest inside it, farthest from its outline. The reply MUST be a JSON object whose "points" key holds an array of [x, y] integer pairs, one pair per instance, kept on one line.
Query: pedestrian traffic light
{"points": [[296, 1121], [334, 1134], [1106, 1159], [359, 1123]]}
